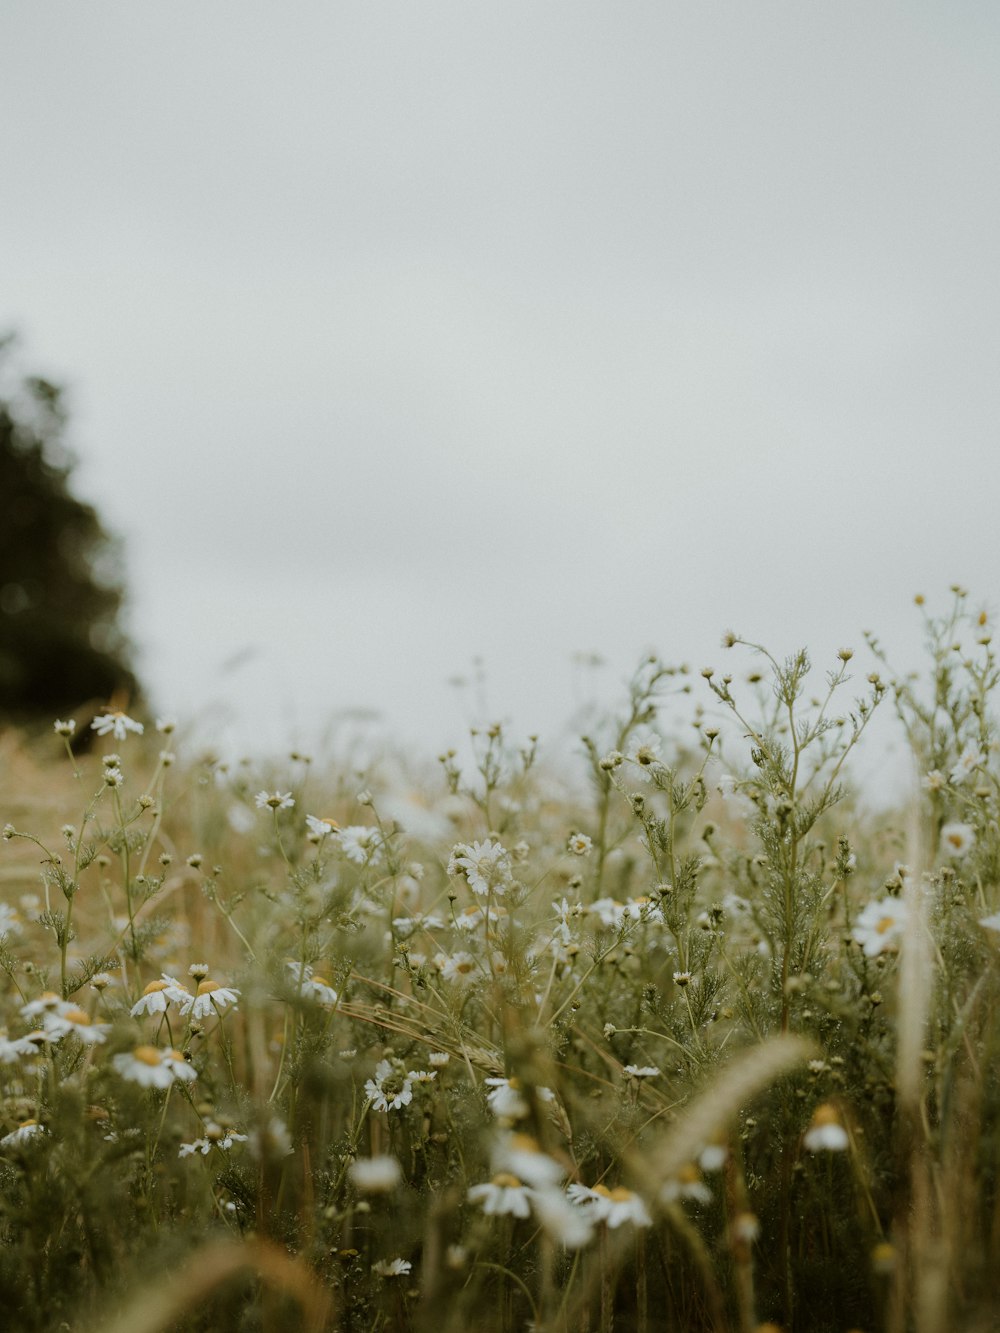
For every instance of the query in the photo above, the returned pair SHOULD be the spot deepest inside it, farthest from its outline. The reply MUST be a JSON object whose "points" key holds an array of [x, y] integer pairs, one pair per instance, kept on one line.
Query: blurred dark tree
{"points": [[61, 589]]}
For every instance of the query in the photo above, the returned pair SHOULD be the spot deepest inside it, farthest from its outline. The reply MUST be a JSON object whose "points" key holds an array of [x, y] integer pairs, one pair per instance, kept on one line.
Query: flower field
{"points": [[685, 1038]]}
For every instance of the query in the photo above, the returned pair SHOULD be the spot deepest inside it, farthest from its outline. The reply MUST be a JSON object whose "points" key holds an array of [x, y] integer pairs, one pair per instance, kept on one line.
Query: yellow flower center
{"points": [[146, 1055], [78, 1017], [620, 1195], [825, 1115], [207, 986], [155, 986], [688, 1174], [524, 1142], [506, 1181], [603, 1191], [885, 923]]}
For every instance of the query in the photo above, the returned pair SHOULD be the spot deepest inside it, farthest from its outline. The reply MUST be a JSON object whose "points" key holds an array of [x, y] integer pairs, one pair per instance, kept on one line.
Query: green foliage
{"points": [[61, 643]]}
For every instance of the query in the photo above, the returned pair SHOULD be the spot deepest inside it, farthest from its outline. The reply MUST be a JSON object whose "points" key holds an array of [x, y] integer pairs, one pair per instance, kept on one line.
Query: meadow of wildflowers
{"points": [[698, 1043]]}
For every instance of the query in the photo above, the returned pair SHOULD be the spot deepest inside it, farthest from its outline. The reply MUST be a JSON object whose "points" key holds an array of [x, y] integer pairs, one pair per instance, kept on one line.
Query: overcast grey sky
{"points": [[402, 333]]}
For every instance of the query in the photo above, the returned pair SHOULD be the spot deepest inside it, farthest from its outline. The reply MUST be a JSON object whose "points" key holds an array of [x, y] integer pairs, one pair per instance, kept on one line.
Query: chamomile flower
{"points": [[969, 760], [880, 926], [311, 986], [522, 1156], [485, 865], [957, 839], [215, 1137], [76, 1022], [360, 843], [566, 1224], [641, 1071], [392, 1267], [826, 1132], [321, 828], [64, 728], [158, 994], [614, 1207], [459, 968], [274, 800], [991, 922], [686, 1184], [116, 724], [375, 1175], [644, 754], [47, 1003], [502, 1196], [13, 1050], [389, 1090], [211, 998], [25, 1132], [579, 844], [505, 1098], [150, 1067]]}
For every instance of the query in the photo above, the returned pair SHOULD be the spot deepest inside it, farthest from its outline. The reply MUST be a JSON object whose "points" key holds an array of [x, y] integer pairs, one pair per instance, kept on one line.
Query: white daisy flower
{"points": [[566, 1224], [389, 1090], [66, 728], [713, 1156], [608, 911], [969, 760], [311, 985], [521, 1155], [375, 1175], [957, 839], [215, 1137], [826, 1133], [502, 1195], [641, 1071], [321, 828], [196, 1145], [485, 865], [471, 918], [880, 926], [211, 998], [438, 1059], [460, 968], [505, 1098], [392, 1267], [152, 1068], [47, 1003], [158, 994], [935, 780], [25, 1132], [644, 753], [13, 1050], [615, 1207], [360, 843], [991, 922], [579, 844], [274, 800], [116, 724], [76, 1022], [686, 1184]]}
